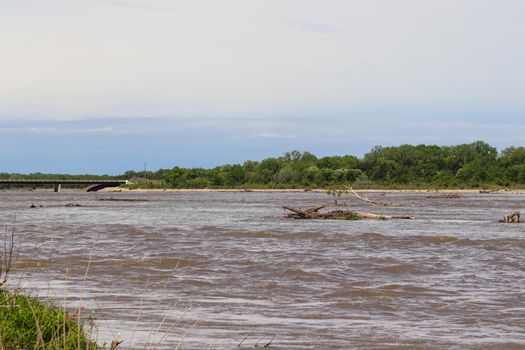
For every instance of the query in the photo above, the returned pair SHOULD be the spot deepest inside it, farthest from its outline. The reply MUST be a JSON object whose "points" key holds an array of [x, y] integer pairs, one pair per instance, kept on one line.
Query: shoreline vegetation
{"points": [[475, 165], [28, 323], [296, 190]]}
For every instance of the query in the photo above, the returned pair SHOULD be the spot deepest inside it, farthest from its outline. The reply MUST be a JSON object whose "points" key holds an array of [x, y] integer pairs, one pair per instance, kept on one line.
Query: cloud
{"points": [[311, 26], [273, 135], [61, 131], [110, 145], [328, 130]]}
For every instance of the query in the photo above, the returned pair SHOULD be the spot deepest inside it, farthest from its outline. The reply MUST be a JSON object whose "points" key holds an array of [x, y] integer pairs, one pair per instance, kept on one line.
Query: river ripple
{"points": [[453, 278]]}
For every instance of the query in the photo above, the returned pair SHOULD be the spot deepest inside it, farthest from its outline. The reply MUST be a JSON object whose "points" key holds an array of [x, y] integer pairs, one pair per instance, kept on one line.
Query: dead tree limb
{"points": [[371, 201], [309, 212], [296, 211], [319, 207]]}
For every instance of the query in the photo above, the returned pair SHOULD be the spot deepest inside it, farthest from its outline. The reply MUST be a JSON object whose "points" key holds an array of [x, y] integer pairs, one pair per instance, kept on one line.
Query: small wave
{"points": [[194, 282], [163, 262], [373, 237], [296, 273], [273, 234], [252, 234], [413, 290], [171, 230], [269, 286], [402, 269], [366, 293], [211, 228], [512, 265], [436, 239], [421, 239], [125, 229], [385, 308], [60, 228], [347, 305], [492, 244], [389, 290], [29, 264]]}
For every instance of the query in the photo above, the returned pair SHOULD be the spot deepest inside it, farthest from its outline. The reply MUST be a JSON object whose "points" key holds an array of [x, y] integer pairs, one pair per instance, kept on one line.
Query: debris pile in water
{"points": [[512, 218], [315, 213]]}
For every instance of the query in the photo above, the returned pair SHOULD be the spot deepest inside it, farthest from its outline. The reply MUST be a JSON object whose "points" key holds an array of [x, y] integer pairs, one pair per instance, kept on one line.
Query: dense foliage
{"points": [[463, 166]]}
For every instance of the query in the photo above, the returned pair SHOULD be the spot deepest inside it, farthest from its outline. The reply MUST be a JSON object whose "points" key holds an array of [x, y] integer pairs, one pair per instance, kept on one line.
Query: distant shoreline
{"points": [[275, 190], [298, 190]]}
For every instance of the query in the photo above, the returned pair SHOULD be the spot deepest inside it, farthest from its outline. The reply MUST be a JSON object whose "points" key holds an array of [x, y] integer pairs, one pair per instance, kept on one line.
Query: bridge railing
{"points": [[94, 184]]}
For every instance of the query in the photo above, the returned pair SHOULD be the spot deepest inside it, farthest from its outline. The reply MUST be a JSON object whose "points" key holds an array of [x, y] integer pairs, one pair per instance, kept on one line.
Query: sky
{"points": [[102, 86]]}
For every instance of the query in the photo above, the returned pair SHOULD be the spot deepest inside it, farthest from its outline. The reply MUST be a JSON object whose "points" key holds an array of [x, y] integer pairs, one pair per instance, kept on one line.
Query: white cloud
{"points": [[273, 135]]}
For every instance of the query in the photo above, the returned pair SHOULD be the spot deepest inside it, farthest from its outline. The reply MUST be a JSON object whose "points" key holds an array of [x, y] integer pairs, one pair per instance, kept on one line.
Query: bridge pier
{"points": [[57, 187]]}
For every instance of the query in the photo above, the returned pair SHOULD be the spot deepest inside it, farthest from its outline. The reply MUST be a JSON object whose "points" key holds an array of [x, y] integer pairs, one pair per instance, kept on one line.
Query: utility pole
{"points": [[145, 169]]}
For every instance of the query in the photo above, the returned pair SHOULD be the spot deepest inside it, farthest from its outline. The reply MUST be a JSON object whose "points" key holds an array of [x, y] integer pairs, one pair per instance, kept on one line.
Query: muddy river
{"points": [[228, 271]]}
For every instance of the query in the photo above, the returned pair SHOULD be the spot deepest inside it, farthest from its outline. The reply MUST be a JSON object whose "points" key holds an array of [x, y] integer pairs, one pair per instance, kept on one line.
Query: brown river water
{"points": [[228, 271]]}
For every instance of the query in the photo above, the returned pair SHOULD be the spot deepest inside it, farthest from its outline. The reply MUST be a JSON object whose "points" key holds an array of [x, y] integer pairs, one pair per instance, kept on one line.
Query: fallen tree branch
{"points": [[336, 214], [310, 212], [296, 211], [370, 201], [113, 199], [319, 207]]}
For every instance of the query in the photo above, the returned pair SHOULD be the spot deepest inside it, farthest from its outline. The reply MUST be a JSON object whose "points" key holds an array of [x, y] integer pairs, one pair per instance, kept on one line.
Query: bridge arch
{"points": [[101, 186]]}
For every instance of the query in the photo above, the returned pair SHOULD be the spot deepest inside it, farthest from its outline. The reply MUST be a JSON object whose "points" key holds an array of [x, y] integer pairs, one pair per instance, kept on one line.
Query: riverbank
{"points": [[279, 190], [27, 323], [296, 190]]}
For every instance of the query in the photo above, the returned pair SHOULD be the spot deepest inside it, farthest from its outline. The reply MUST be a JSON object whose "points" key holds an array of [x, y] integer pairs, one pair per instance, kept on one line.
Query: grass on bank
{"points": [[26, 323]]}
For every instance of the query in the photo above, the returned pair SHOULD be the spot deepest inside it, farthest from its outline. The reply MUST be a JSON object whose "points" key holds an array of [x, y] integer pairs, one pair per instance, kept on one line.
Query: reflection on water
{"points": [[453, 278]]}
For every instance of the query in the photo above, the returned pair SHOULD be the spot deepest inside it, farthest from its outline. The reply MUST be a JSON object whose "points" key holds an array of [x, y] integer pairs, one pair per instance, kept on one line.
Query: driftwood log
{"points": [[112, 199], [488, 191], [315, 213], [512, 218]]}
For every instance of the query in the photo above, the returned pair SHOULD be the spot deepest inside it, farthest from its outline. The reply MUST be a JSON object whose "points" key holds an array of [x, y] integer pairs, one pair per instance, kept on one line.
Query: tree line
{"points": [[470, 165]]}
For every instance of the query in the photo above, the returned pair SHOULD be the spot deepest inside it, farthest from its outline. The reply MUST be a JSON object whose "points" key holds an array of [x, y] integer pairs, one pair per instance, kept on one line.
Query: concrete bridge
{"points": [[92, 185]]}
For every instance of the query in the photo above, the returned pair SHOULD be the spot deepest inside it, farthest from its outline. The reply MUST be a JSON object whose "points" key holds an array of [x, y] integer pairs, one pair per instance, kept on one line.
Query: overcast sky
{"points": [[102, 86]]}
